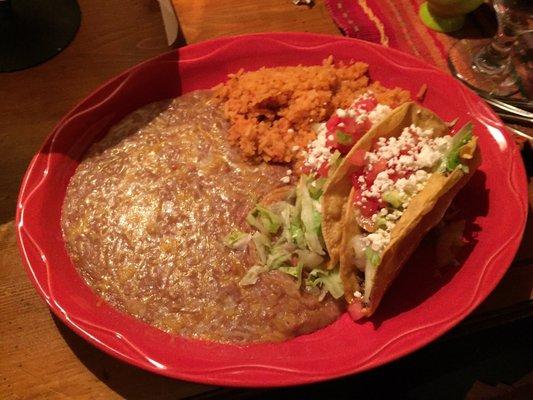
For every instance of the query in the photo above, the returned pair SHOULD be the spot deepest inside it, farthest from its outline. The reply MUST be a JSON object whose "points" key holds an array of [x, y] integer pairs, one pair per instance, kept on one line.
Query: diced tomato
{"points": [[374, 145], [370, 207], [306, 169], [332, 123], [367, 104], [330, 141], [357, 196], [400, 174], [355, 180], [378, 167], [345, 137], [341, 141], [357, 158], [348, 125], [395, 175], [323, 170], [357, 311], [360, 129], [367, 124]]}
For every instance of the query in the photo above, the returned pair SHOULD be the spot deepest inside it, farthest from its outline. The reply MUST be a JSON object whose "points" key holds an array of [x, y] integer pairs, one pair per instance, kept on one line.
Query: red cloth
{"points": [[392, 23]]}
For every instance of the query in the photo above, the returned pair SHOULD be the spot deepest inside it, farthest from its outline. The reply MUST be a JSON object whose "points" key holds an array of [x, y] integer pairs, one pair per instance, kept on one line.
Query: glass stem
{"points": [[495, 58]]}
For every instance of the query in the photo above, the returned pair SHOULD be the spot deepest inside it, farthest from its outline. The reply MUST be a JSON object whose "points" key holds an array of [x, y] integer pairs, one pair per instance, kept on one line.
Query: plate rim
{"points": [[516, 169]]}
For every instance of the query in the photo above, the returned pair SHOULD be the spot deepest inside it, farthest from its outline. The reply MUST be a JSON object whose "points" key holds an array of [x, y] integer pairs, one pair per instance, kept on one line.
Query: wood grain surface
{"points": [[113, 36], [40, 358], [212, 18]]}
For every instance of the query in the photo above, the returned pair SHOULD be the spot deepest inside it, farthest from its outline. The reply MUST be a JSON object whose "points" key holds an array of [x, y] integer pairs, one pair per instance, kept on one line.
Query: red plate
{"points": [[419, 308]]}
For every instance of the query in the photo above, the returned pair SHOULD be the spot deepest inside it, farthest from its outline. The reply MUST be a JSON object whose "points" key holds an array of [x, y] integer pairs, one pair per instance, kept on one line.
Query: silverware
{"points": [[513, 118], [523, 104], [520, 133], [509, 109]]}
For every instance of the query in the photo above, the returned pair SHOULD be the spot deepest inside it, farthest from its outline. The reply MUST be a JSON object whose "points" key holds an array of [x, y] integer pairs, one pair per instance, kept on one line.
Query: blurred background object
{"points": [[33, 31], [447, 15], [490, 69]]}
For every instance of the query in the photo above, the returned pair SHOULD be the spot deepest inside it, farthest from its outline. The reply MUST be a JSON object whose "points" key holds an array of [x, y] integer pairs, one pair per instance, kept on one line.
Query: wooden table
{"points": [[39, 356]]}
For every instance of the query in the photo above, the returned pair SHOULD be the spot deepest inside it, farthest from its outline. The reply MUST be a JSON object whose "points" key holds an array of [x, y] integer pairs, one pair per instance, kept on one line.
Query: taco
{"points": [[394, 185]]}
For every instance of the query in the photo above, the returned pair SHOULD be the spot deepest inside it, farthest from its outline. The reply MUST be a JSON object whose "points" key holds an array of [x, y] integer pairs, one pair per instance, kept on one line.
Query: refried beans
{"points": [[144, 219]]}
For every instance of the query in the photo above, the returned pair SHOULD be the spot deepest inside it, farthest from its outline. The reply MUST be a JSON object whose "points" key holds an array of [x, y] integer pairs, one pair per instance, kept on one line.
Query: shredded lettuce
{"points": [[393, 198], [264, 219], [381, 222], [252, 275], [292, 226], [286, 221], [343, 137], [311, 218], [262, 245], [237, 240], [329, 281], [309, 259], [462, 137], [297, 233], [334, 161], [464, 168], [277, 257], [316, 188], [372, 257], [289, 232], [295, 271]]}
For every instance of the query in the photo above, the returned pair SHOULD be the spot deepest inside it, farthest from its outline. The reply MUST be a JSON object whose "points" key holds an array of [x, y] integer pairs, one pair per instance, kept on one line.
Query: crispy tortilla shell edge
{"points": [[428, 209], [338, 189], [424, 212]]}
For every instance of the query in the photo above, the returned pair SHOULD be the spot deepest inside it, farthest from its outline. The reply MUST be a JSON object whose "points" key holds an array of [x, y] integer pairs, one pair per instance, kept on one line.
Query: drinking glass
{"points": [[33, 31], [487, 67]]}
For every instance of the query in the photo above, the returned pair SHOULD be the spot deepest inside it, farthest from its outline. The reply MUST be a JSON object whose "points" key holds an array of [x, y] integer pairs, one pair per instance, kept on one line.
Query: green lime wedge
{"points": [[440, 24]]}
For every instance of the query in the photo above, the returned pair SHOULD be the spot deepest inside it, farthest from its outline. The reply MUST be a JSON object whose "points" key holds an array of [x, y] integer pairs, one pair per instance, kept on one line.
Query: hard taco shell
{"points": [[425, 209]]}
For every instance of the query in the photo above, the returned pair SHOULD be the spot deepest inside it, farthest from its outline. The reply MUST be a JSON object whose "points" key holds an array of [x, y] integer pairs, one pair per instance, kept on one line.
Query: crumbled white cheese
{"points": [[393, 216], [361, 116], [364, 96], [290, 130], [412, 153], [340, 113], [318, 152], [379, 113], [377, 240], [285, 179], [428, 157], [381, 184]]}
